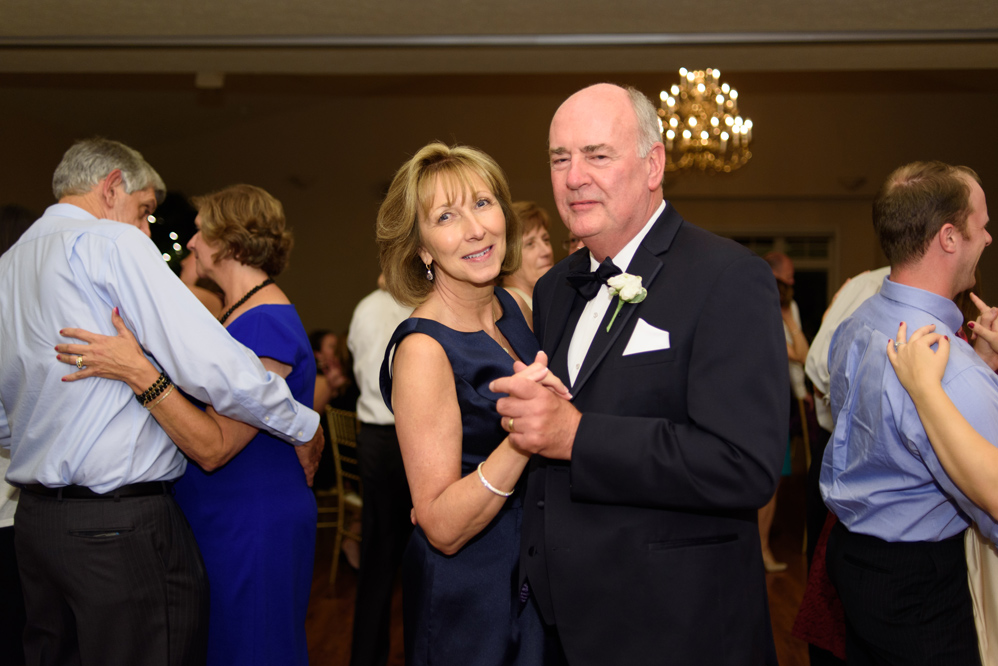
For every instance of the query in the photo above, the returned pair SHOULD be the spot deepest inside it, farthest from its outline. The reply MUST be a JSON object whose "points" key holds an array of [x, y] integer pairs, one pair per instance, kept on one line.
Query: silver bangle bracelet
{"points": [[489, 486]]}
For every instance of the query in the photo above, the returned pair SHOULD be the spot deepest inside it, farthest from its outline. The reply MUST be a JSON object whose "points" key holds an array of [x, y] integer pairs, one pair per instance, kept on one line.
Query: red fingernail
{"points": [[947, 337], [970, 324]]}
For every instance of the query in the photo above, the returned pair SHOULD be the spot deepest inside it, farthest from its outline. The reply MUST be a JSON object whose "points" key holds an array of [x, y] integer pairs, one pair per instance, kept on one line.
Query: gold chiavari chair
{"points": [[336, 502]]}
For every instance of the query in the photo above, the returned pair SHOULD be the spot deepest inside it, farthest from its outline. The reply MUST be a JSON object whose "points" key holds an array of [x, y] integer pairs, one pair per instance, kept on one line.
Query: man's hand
{"points": [[537, 413], [309, 455]]}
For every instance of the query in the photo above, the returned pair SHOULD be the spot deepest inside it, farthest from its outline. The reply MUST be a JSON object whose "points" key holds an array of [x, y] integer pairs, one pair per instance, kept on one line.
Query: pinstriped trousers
{"points": [[905, 603], [110, 582]]}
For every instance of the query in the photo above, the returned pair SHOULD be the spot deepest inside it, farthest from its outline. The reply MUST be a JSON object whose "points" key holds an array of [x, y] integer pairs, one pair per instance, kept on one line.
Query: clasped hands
{"points": [[537, 411]]}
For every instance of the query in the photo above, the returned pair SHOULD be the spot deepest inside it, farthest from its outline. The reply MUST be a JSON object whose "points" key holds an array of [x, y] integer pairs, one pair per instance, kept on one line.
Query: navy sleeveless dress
{"points": [[254, 519], [465, 609]]}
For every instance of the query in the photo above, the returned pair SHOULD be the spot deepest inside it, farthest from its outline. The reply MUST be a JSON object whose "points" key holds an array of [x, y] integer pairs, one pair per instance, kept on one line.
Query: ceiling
{"points": [[454, 37]]}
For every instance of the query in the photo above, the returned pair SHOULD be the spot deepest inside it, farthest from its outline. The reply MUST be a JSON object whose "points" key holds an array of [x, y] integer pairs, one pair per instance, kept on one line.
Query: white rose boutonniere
{"points": [[627, 288]]}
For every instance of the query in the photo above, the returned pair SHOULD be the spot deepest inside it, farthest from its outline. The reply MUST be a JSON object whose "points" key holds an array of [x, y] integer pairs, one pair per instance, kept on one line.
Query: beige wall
{"points": [[328, 146]]}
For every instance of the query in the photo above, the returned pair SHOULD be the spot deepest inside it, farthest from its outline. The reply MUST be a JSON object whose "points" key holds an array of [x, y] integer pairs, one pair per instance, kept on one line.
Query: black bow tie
{"points": [[587, 283]]}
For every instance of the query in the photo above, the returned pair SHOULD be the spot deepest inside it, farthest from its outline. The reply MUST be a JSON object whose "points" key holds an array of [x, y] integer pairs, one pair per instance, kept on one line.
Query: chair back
{"points": [[333, 503]]}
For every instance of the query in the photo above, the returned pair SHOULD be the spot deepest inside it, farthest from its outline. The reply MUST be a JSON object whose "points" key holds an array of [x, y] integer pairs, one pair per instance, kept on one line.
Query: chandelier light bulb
{"points": [[701, 88], [682, 71]]}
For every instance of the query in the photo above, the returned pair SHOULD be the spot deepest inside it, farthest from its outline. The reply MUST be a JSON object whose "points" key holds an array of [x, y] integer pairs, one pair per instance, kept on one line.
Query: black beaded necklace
{"points": [[221, 320]]}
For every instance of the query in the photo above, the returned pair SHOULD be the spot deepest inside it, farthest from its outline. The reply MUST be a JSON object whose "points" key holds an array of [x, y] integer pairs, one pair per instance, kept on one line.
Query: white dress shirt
{"points": [[585, 330], [374, 320], [69, 270]]}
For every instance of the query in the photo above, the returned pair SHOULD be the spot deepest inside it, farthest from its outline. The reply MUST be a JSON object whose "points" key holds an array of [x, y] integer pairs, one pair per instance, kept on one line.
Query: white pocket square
{"points": [[646, 338]]}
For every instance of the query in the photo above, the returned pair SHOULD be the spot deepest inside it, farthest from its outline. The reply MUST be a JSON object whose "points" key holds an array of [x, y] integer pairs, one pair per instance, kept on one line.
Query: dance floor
{"points": [[330, 612]]}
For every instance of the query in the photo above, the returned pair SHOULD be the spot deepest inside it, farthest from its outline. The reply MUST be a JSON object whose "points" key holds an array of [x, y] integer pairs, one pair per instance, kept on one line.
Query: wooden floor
{"points": [[330, 612]]}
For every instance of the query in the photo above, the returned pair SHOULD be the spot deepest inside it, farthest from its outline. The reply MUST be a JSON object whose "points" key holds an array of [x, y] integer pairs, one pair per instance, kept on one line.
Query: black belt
{"points": [[146, 489]]}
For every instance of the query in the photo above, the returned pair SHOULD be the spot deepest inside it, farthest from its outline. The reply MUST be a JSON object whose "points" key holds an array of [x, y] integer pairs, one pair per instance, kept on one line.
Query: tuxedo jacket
{"points": [[644, 548]]}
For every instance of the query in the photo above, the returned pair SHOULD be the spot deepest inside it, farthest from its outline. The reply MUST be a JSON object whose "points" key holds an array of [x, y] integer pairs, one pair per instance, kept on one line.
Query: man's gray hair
{"points": [[89, 161], [649, 131]]}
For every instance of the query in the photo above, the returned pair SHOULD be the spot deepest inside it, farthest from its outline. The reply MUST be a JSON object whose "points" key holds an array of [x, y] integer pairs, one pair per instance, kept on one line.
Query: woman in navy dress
{"points": [[246, 496], [446, 232]]}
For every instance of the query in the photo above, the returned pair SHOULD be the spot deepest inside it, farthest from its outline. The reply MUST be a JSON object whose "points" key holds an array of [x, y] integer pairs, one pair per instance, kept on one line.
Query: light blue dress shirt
{"points": [[879, 474], [69, 270]]}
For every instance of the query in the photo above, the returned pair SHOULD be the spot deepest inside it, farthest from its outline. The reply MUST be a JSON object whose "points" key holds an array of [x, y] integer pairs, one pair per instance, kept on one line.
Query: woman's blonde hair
{"points": [[248, 225], [410, 196]]}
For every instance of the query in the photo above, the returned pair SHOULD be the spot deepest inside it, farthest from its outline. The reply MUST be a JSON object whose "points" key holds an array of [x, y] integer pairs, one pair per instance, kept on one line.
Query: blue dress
{"points": [[465, 609], [254, 519]]}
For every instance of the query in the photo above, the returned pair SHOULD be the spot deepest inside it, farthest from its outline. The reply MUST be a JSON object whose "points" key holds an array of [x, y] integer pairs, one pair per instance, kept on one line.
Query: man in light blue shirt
{"points": [[896, 556], [110, 569]]}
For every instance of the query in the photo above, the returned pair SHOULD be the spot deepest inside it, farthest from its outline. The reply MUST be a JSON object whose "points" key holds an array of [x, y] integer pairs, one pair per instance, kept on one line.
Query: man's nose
{"points": [[577, 175]]}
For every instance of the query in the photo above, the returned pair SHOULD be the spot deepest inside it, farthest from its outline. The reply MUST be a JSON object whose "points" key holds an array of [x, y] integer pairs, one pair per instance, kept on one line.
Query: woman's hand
{"points": [[984, 336], [112, 357], [916, 365], [538, 372]]}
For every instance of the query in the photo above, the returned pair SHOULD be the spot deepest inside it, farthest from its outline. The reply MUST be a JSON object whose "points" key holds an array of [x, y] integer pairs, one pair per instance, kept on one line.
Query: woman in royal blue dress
{"points": [[446, 232], [246, 496]]}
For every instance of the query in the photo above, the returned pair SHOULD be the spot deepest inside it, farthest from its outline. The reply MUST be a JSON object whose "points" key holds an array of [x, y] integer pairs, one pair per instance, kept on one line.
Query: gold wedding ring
{"points": [[79, 362], [511, 424]]}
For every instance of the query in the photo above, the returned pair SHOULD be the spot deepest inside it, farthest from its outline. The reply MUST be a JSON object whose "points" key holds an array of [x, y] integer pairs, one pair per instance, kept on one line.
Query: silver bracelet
{"points": [[489, 486]]}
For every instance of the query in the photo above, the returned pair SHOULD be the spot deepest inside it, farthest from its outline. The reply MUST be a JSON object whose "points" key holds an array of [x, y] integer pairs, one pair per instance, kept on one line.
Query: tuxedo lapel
{"points": [[646, 263], [566, 308]]}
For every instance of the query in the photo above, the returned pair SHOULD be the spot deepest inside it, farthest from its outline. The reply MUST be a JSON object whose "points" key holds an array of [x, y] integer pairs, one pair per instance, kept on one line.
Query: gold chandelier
{"points": [[701, 127]]}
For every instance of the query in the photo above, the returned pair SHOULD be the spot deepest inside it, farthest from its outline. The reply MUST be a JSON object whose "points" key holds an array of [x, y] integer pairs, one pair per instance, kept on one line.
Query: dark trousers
{"points": [[386, 526], [11, 602], [905, 603], [110, 582]]}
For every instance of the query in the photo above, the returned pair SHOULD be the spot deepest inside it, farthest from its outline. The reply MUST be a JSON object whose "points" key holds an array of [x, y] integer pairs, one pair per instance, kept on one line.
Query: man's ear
{"points": [[656, 165], [947, 238], [108, 187]]}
